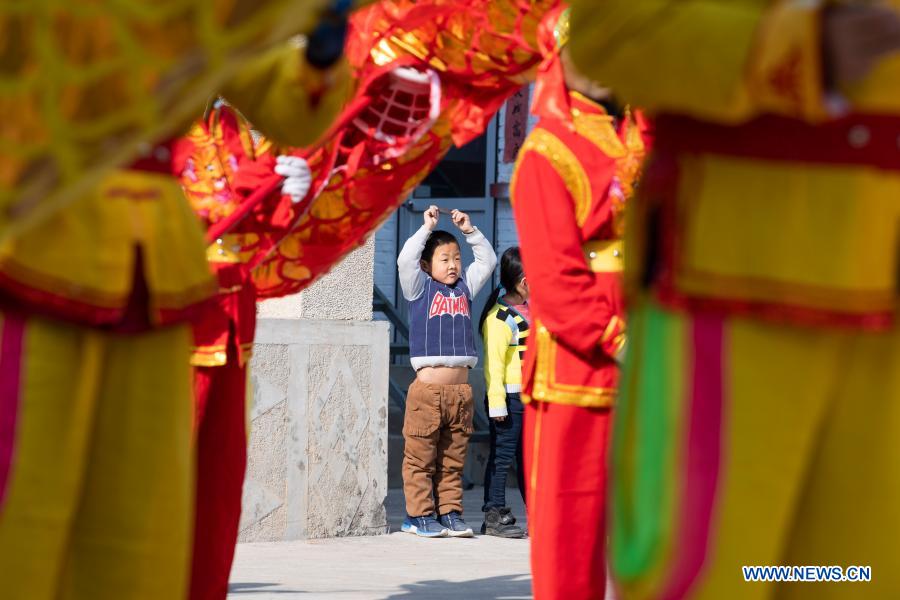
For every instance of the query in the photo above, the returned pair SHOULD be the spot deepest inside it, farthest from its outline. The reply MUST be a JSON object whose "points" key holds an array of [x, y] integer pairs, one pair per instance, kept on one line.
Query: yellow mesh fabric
{"points": [[84, 84]]}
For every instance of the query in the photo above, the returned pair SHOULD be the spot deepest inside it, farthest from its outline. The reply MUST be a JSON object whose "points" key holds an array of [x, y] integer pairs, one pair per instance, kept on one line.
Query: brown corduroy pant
{"points": [[436, 428]]}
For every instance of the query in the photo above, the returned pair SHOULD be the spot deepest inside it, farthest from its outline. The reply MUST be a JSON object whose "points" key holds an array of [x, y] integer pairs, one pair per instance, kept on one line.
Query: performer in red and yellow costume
{"points": [[760, 408], [571, 179], [101, 265], [213, 159]]}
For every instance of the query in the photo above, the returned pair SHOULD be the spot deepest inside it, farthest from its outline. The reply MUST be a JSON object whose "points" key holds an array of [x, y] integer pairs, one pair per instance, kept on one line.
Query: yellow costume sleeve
{"points": [[719, 60], [90, 87], [287, 99]]}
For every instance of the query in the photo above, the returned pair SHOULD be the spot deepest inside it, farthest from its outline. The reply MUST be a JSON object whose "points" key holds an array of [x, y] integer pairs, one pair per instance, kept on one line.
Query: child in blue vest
{"points": [[439, 410]]}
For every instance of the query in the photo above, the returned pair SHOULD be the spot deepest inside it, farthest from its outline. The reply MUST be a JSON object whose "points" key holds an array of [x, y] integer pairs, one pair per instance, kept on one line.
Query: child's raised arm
{"points": [[412, 279], [479, 272]]}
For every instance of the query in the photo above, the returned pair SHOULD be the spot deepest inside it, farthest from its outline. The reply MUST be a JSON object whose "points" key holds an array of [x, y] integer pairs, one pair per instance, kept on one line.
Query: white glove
{"points": [[297, 176]]}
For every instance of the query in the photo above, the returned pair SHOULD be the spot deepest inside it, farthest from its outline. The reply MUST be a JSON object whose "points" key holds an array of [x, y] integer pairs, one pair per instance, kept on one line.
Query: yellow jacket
{"points": [[505, 332], [771, 203]]}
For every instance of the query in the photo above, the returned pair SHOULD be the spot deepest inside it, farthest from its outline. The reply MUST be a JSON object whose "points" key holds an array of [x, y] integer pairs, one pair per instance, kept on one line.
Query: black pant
{"points": [[506, 447]]}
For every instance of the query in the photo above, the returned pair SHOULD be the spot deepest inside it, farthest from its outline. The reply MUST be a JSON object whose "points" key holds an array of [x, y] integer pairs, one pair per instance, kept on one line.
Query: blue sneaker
{"points": [[425, 526], [455, 525]]}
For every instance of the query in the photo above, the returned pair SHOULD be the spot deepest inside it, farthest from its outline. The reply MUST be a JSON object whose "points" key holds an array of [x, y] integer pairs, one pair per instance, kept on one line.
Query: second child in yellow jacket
{"points": [[505, 328]]}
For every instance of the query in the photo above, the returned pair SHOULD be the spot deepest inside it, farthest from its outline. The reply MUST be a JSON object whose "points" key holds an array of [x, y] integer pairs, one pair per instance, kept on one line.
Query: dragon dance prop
{"points": [[273, 183], [431, 74]]}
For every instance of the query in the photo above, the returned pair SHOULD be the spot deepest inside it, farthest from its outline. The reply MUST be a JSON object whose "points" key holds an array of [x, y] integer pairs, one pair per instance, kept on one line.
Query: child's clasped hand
{"points": [[460, 219]]}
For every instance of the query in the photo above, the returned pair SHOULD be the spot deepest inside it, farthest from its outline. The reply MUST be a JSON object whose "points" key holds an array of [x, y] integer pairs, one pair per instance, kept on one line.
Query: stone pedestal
{"points": [[318, 445], [318, 448]]}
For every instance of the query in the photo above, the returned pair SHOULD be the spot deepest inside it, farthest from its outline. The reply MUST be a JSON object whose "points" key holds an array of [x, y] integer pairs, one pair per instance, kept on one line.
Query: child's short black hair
{"points": [[438, 237]]}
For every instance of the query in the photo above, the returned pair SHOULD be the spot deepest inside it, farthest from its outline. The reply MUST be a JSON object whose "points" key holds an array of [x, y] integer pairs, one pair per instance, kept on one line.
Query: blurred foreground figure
{"points": [[760, 406], [102, 265], [569, 188]]}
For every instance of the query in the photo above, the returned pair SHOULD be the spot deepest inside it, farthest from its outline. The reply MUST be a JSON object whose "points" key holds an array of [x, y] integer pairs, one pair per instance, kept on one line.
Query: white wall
{"points": [[343, 294]]}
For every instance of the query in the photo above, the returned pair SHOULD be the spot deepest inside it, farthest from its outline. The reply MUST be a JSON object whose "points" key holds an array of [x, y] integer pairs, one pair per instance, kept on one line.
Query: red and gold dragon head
{"points": [[480, 51]]}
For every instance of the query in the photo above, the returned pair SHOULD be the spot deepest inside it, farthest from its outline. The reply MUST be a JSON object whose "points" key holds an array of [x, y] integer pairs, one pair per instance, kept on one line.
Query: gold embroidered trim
{"points": [[619, 342], [598, 129], [566, 165], [605, 256], [548, 389], [628, 150], [204, 359], [232, 248], [634, 139], [216, 355], [610, 330]]}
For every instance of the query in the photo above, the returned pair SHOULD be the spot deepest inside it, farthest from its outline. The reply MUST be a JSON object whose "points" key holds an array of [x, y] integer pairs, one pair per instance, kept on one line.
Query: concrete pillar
{"points": [[318, 445]]}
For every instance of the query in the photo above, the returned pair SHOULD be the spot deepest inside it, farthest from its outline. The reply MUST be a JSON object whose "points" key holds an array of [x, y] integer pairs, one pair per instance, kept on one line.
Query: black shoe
{"points": [[506, 517], [501, 523]]}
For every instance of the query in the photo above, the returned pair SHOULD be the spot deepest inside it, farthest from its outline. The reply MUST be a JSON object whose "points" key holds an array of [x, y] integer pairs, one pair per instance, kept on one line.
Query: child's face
{"points": [[522, 289], [446, 264]]}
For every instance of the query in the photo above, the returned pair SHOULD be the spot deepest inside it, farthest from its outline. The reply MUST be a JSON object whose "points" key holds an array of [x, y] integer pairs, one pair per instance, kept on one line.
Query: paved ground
{"points": [[394, 566]]}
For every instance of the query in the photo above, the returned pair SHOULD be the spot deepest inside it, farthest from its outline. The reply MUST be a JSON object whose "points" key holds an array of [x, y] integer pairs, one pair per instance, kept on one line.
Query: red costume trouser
{"points": [[565, 465], [219, 393]]}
